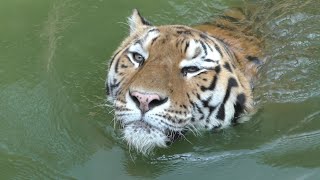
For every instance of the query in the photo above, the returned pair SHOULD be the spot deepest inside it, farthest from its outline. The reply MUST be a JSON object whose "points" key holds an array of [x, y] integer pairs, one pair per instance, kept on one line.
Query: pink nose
{"points": [[147, 101]]}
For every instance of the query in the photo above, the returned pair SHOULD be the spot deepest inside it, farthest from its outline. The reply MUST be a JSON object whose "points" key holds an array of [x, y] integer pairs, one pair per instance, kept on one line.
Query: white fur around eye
{"points": [[136, 48], [151, 34], [189, 75], [197, 55], [143, 44], [193, 45]]}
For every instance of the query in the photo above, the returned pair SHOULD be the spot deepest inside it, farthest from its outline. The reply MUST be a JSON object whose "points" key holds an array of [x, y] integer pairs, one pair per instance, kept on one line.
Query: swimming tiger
{"points": [[164, 81]]}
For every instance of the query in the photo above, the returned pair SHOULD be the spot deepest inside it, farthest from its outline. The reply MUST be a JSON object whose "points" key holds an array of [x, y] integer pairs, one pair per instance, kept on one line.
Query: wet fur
{"points": [[226, 49]]}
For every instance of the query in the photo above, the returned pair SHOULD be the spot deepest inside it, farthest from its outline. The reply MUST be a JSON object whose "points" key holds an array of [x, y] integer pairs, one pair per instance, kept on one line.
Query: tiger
{"points": [[164, 81]]}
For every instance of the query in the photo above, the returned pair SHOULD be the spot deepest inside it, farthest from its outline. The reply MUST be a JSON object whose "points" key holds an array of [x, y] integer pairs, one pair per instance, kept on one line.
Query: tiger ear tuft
{"points": [[136, 21]]}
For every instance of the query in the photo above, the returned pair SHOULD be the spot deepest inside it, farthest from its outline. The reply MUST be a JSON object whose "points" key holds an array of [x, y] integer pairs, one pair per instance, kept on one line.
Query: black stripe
{"points": [[116, 68], [222, 26], [122, 101], [154, 29], [254, 60], [213, 82], [216, 46], [192, 104], [239, 106], [221, 112], [216, 127], [204, 36], [138, 42], [143, 20], [114, 58], [205, 103], [211, 86], [153, 40], [201, 117], [209, 60], [211, 108], [232, 82], [227, 66], [227, 49], [107, 88], [182, 41], [113, 86], [251, 58], [192, 119], [198, 96], [217, 69], [204, 48], [187, 46], [186, 32], [198, 109], [209, 46], [123, 66], [180, 27], [218, 49], [141, 42]]}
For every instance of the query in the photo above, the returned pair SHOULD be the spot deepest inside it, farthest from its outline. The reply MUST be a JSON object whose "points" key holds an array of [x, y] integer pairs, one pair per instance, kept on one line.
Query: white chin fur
{"points": [[144, 138]]}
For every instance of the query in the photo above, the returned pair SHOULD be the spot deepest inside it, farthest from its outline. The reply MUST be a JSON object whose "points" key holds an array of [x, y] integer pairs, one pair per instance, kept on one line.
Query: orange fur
{"points": [[215, 93]]}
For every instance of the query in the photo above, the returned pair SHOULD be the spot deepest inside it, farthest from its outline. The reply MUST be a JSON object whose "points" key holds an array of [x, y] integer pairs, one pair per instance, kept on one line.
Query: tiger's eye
{"points": [[138, 57], [190, 69]]}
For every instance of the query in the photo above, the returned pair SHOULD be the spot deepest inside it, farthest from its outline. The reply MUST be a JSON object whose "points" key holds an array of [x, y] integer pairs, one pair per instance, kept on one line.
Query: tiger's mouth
{"points": [[144, 137], [171, 134]]}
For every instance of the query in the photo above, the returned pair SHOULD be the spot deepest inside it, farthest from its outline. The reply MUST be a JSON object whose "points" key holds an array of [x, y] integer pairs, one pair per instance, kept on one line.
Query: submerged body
{"points": [[166, 80]]}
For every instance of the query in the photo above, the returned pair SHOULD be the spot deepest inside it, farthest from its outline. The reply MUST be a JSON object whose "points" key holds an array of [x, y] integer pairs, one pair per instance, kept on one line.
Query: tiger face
{"points": [[166, 80]]}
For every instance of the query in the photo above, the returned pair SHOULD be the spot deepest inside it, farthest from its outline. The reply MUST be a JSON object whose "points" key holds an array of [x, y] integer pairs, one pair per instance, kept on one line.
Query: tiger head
{"points": [[166, 80]]}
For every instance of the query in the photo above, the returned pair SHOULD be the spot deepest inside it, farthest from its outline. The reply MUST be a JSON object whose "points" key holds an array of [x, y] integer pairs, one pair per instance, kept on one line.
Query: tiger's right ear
{"points": [[136, 21]]}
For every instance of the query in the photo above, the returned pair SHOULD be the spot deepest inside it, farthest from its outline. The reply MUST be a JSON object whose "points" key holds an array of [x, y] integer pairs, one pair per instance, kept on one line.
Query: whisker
{"points": [[111, 111], [194, 130], [183, 136], [130, 153], [191, 130], [114, 120], [124, 23], [106, 104]]}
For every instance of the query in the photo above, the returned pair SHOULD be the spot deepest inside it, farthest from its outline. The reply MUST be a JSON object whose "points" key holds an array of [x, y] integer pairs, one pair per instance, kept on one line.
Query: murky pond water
{"points": [[54, 125]]}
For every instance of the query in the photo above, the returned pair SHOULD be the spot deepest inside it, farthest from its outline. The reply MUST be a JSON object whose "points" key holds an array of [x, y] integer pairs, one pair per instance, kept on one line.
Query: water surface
{"points": [[54, 124]]}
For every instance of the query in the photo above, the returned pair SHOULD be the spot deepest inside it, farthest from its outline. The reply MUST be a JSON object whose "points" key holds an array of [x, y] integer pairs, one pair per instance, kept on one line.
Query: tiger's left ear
{"points": [[136, 21]]}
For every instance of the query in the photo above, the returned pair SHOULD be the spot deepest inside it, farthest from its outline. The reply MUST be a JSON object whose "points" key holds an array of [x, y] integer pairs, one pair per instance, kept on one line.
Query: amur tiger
{"points": [[166, 80]]}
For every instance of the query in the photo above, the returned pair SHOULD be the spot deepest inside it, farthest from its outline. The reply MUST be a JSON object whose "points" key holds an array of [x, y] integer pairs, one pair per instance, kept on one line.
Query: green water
{"points": [[54, 125]]}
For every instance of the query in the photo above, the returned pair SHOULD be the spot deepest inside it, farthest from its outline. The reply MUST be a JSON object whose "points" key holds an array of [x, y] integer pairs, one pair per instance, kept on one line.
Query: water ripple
{"points": [[292, 143]]}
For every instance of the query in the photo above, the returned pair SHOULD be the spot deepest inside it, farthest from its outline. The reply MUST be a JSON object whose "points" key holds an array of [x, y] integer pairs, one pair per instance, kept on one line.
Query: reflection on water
{"points": [[59, 18], [293, 46], [54, 123], [273, 151]]}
